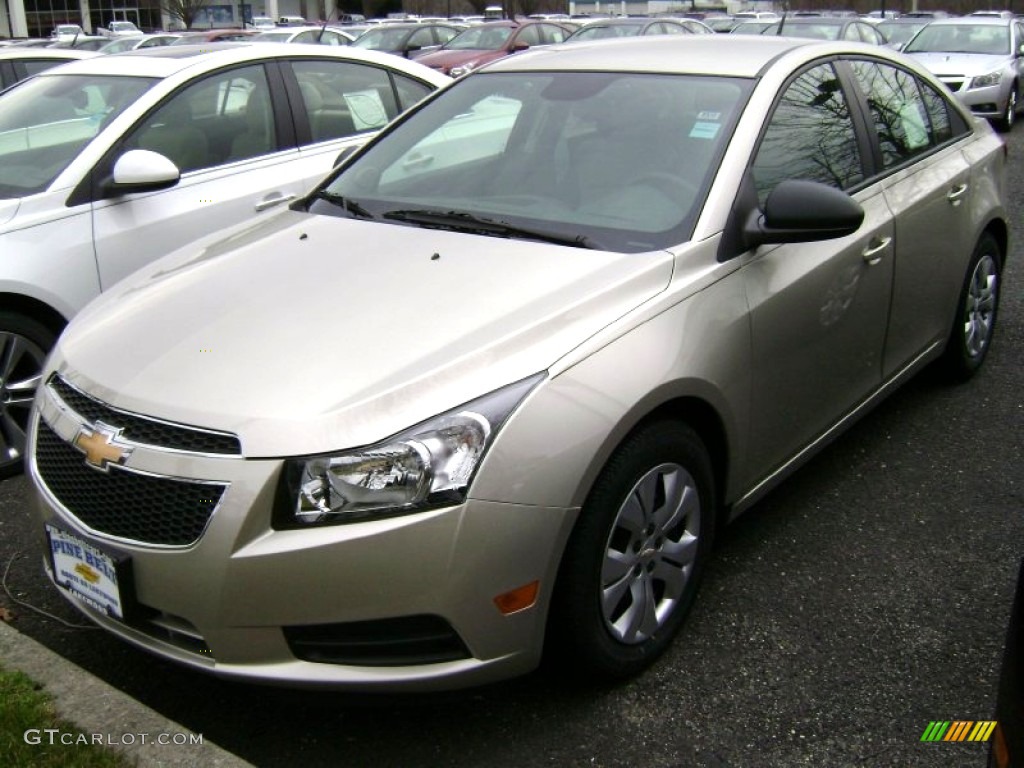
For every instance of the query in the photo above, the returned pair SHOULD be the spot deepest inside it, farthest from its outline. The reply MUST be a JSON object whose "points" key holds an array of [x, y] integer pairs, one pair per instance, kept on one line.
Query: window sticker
{"points": [[704, 130], [367, 109]]}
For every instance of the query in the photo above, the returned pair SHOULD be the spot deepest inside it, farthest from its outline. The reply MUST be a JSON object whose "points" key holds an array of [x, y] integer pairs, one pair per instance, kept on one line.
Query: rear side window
{"points": [[342, 99], [810, 136]]}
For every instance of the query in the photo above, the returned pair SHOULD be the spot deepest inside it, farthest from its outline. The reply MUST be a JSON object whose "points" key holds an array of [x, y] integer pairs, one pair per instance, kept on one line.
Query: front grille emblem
{"points": [[97, 443]]}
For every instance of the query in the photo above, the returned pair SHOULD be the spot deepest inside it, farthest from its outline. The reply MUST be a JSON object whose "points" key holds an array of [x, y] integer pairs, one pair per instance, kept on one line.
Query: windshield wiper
{"points": [[347, 204], [461, 221]]}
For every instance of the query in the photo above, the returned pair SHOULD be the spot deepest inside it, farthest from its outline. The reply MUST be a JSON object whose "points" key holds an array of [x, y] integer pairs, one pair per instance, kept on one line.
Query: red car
{"points": [[483, 43]]}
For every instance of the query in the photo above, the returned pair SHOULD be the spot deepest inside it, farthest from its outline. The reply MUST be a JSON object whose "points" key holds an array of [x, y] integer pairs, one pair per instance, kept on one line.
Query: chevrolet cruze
{"points": [[492, 388]]}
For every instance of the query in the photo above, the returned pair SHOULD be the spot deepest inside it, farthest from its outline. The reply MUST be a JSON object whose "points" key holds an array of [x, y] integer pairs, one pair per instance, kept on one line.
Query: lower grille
{"points": [[124, 504], [404, 641]]}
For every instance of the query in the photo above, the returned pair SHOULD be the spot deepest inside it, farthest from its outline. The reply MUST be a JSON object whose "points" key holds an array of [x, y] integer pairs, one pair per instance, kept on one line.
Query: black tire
{"points": [[24, 344], [612, 562], [976, 311], [1006, 122]]}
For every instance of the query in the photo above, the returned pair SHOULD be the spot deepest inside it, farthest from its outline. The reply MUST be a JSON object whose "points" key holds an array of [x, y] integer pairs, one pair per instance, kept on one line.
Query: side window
{"points": [[810, 136], [444, 34], [219, 119], [422, 38], [305, 37], [342, 98], [529, 35], [550, 34], [409, 91], [898, 110], [938, 110]]}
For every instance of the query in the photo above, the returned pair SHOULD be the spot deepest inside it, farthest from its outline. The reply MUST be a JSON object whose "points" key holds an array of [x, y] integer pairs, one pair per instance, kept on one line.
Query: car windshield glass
{"points": [[273, 37], [602, 31], [991, 39], [822, 30], [485, 37], [613, 161], [383, 39], [46, 121], [897, 33]]}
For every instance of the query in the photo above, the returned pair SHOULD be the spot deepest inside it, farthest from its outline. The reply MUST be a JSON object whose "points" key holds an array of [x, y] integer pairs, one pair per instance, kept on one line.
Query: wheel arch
{"points": [[34, 309]]}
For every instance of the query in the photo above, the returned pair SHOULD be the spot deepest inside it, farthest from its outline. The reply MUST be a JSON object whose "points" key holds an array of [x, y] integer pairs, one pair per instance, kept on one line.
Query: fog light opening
{"points": [[519, 599]]}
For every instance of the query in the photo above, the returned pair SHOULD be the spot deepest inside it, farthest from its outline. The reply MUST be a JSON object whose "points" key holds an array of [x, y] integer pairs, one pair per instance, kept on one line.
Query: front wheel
{"points": [[1005, 123], [632, 565], [24, 343], [975, 320]]}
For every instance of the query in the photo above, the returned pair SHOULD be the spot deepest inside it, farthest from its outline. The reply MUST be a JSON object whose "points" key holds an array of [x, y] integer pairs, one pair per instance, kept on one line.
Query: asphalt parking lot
{"points": [[864, 598]]}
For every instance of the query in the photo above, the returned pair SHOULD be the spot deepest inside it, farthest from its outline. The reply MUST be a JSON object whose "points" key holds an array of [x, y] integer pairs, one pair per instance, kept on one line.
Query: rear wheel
{"points": [[24, 344], [977, 308], [632, 565]]}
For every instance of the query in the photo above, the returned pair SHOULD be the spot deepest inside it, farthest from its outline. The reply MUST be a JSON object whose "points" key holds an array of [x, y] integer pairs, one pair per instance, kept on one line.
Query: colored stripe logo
{"points": [[958, 730]]}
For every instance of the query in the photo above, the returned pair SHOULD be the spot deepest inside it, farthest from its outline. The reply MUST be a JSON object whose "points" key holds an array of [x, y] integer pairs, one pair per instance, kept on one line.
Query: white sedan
{"points": [[110, 162]]}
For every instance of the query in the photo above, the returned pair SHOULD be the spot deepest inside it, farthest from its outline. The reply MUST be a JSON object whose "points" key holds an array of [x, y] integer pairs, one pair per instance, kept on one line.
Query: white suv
{"points": [[109, 162]]}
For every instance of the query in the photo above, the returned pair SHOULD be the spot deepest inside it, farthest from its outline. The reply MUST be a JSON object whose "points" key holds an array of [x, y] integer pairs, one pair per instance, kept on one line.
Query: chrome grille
{"points": [[140, 429], [124, 504]]}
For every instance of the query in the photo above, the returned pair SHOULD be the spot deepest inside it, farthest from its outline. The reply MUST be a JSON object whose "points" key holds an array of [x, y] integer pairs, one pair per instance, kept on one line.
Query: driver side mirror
{"points": [[141, 170]]}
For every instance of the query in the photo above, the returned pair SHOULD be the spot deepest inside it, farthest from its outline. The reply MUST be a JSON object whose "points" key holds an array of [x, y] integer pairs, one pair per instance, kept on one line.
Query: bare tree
{"points": [[184, 10]]}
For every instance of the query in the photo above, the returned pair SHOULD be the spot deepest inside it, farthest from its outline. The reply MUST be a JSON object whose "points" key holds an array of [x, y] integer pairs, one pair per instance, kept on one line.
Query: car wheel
{"points": [[1010, 115], [24, 343], [634, 560], [977, 307]]}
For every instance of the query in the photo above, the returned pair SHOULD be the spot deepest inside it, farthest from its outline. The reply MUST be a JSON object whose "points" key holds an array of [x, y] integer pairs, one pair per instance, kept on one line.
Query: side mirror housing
{"points": [[140, 170], [798, 211]]}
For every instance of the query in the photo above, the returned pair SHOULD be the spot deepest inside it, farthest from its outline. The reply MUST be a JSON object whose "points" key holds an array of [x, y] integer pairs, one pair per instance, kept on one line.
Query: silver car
{"points": [[980, 59], [492, 388]]}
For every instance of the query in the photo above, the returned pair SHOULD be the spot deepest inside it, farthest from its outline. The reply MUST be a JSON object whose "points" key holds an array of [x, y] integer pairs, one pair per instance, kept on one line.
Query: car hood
{"points": [[448, 59], [8, 208], [306, 333], [970, 64]]}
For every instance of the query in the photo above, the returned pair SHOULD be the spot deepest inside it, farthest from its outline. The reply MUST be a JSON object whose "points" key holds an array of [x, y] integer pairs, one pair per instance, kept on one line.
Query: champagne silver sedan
{"points": [[492, 388]]}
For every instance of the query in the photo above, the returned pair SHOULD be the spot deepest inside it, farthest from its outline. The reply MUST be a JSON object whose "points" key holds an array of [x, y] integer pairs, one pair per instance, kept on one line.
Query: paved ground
{"points": [[864, 598]]}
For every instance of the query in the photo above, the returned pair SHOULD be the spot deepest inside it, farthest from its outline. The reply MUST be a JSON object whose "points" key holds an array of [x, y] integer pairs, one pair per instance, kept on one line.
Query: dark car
{"points": [[484, 43], [828, 28], [407, 40], [610, 28]]}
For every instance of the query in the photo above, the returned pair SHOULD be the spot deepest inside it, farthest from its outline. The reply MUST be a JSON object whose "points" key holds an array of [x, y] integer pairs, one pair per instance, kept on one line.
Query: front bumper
{"points": [[246, 601]]}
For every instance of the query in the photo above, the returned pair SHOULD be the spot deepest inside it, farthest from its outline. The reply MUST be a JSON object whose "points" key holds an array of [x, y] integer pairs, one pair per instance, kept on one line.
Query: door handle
{"points": [[873, 253], [270, 202], [956, 193]]}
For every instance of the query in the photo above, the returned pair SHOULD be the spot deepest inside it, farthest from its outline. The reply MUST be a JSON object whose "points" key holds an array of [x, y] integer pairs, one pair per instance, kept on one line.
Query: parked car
{"points": [[851, 29], [496, 383], [17, 63], [115, 159], [487, 42], [309, 35], [752, 26], [134, 42], [980, 59], [408, 40], [65, 33], [84, 43], [898, 32], [262, 23], [119, 28], [634, 27]]}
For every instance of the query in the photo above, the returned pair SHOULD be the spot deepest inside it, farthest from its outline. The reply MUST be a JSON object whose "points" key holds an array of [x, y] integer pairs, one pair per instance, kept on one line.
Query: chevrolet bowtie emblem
{"points": [[99, 448]]}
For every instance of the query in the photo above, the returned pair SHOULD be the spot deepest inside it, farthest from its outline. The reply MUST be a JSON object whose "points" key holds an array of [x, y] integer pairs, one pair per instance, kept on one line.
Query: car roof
{"points": [[166, 61], [741, 56], [973, 21], [69, 54]]}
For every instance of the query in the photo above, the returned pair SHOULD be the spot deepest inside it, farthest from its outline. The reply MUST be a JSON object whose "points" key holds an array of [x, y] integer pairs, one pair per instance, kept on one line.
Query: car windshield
{"points": [[124, 44], [273, 37], [46, 121], [382, 39], [897, 33], [993, 39], [618, 162], [819, 30], [602, 31], [485, 37]]}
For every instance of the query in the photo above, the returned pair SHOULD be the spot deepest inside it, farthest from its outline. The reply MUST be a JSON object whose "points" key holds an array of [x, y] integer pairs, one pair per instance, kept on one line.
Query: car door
{"points": [[818, 311], [237, 157], [339, 104], [927, 188]]}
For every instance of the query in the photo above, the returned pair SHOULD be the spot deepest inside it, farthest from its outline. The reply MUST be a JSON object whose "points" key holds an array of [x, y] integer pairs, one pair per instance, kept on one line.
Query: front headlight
{"points": [[463, 69], [427, 466], [992, 78]]}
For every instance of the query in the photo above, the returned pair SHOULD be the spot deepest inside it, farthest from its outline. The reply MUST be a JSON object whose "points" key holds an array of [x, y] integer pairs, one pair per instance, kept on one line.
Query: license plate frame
{"points": [[93, 573]]}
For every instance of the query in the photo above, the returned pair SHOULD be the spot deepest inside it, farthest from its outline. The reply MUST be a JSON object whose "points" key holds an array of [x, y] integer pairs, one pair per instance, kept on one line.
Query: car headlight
{"points": [[427, 466], [463, 69], [992, 78]]}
